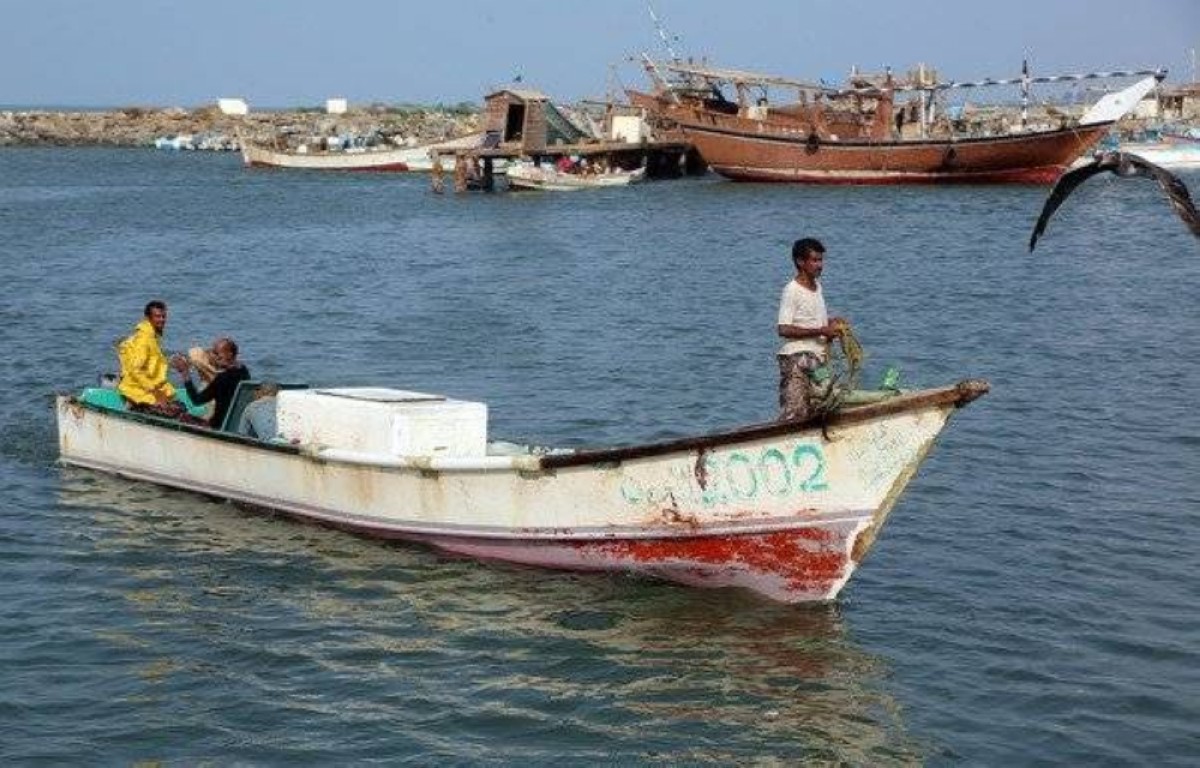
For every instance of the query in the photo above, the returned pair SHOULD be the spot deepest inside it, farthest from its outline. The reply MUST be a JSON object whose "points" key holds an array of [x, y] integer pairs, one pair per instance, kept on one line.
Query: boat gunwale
{"points": [[956, 395], [827, 143], [375, 149], [178, 426]]}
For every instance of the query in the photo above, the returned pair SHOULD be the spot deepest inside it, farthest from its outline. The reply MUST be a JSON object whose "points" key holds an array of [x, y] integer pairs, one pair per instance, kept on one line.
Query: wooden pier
{"points": [[525, 125], [662, 160]]}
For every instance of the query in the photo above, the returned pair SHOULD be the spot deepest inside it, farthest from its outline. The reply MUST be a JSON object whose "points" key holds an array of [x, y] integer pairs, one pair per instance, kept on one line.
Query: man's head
{"points": [[156, 313], [224, 352], [266, 389], [809, 256]]}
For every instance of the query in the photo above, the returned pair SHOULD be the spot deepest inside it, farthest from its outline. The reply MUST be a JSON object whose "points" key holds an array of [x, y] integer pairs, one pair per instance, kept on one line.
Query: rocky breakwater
{"points": [[139, 126]]}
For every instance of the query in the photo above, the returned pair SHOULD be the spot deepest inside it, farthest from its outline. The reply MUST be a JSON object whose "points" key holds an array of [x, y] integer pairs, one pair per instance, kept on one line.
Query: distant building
{"points": [[1181, 102], [336, 106], [1149, 108], [233, 106], [629, 129]]}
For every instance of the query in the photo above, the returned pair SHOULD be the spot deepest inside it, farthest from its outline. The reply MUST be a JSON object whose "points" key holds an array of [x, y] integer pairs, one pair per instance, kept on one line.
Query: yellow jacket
{"points": [[143, 367]]}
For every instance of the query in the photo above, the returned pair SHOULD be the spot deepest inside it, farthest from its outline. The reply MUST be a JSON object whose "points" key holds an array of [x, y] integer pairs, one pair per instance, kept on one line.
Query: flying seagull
{"points": [[1122, 164]]}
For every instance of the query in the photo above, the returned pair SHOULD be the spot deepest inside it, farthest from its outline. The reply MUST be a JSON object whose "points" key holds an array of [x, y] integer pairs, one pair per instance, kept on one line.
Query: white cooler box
{"points": [[393, 422]]}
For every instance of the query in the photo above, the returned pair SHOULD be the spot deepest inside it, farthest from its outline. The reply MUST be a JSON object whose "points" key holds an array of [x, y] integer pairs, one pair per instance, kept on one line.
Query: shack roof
{"points": [[524, 94]]}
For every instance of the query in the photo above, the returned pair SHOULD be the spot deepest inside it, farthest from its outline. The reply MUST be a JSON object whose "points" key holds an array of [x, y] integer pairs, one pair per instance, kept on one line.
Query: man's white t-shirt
{"points": [[805, 308]]}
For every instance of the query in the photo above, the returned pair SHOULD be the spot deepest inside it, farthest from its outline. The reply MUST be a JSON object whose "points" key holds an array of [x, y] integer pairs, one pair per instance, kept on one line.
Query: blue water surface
{"points": [[1033, 600]]}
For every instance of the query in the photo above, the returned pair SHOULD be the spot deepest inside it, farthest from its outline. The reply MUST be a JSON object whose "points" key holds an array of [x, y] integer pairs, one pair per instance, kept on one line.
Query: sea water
{"points": [[1033, 599]]}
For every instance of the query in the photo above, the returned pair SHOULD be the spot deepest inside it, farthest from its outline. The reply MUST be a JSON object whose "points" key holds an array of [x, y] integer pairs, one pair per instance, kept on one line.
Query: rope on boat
{"points": [[853, 354], [846, 357]]}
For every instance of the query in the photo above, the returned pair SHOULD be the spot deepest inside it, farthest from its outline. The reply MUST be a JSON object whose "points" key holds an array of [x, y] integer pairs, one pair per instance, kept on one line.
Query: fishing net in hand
{"points": [[851, 358], [840, 374]]}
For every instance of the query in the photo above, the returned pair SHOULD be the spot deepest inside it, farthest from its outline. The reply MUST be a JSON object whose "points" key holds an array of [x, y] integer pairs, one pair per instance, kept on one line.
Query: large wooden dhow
{"points": [[785, 509], [874, 131]]}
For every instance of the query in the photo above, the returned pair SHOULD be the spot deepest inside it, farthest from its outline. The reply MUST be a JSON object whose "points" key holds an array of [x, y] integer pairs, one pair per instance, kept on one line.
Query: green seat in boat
{"points": [[105, 397], [243, 396]]}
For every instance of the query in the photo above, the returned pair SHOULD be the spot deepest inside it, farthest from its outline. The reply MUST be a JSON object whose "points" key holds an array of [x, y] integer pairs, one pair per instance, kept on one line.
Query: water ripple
{"points": [[1031, 600]]}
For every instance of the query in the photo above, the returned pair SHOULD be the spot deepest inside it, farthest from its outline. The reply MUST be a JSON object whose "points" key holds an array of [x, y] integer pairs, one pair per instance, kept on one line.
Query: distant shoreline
{"points": [[140, 126], [376, 106]]}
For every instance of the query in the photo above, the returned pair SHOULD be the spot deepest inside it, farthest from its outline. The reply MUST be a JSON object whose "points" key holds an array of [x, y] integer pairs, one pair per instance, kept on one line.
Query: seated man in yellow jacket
{"points": [[144, 382]]}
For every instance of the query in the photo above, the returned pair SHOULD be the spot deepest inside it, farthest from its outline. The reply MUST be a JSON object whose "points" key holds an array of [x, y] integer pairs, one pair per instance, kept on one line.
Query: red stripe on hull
{"points": [[800, 565], [1016, 176], [393, 167]]}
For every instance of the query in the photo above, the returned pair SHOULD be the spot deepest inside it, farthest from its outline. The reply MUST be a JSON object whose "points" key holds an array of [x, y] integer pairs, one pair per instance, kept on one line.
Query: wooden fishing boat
{"points": [[1174, 150], [785, 509], [352, 159], [865, 133], [382, 157], [546, 177], [1173, 153]]}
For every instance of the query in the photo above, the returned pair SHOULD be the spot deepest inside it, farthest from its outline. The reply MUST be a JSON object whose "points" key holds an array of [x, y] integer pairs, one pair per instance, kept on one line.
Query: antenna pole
{"points": [[1024, 93], [662, 33]]}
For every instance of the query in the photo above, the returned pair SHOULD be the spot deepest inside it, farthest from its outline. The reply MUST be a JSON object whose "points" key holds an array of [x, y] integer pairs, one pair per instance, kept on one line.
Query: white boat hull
{"points": [[779, 509], [1176, 155], [386, 159], [400, 159]]}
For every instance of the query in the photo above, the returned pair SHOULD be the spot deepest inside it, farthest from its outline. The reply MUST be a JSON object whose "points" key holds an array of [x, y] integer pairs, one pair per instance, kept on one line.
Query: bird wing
{"points": [[1176, 191], [1065, 185]]}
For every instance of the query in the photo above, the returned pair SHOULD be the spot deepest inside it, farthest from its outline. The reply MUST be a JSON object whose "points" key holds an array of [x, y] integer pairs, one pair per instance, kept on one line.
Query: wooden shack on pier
{"points": [[525, 125], [527, 122]]}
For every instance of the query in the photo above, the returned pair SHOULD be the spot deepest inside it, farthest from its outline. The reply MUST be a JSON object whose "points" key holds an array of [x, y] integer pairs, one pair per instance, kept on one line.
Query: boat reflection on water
{"points": [[747, 679], [625, 666]]}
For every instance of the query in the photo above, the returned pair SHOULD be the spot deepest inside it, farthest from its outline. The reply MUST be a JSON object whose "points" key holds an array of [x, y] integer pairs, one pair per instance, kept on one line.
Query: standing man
{"points": [[806, 329], [144, 382], [223, 386]]}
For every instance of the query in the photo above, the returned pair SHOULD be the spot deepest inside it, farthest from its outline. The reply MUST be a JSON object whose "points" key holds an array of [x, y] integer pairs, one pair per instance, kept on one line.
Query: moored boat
{"points": [[175, 142], [785, 509], [546, 177], [379, 157], [1176, 153], [863, 134]]}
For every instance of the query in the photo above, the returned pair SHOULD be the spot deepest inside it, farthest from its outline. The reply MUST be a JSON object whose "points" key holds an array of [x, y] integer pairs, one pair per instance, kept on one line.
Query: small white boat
{"points": [[1172, 148], [785, 509], [176, 142], [1176, 154], [383, 157], [529, 176]]}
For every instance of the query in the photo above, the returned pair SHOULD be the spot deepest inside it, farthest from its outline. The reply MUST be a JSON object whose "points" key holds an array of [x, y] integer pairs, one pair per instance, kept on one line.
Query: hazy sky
{"points": [[300, 52]]}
